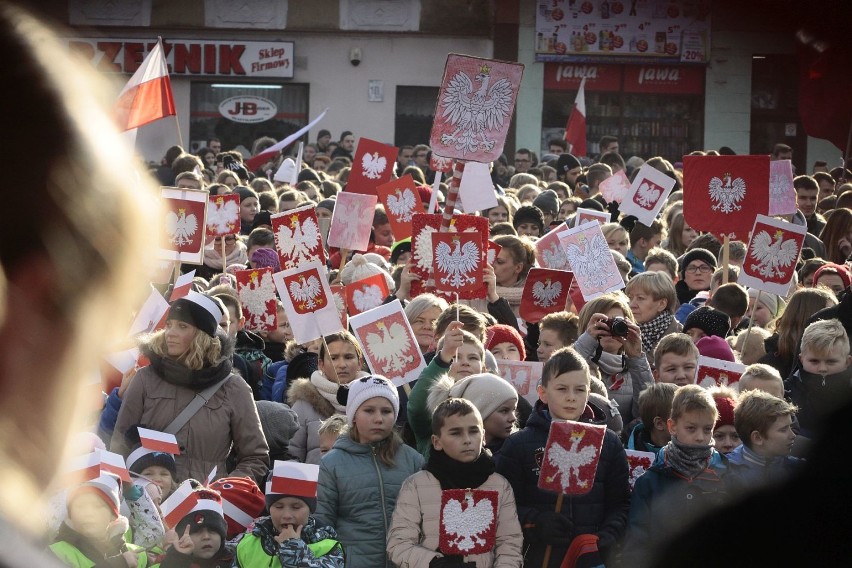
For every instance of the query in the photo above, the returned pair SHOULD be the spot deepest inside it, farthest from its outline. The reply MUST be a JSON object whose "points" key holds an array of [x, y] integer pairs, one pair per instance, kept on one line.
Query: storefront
{"points": [[654, 110]]}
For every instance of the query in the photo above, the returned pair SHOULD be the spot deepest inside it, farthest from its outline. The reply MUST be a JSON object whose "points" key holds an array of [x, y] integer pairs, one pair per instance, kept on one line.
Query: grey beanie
{"points": [[547, 201]]}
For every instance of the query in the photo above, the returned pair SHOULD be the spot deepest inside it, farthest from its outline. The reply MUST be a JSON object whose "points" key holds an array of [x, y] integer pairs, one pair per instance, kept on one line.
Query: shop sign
{"points": [[671, 79], [192, 57], [567, 76], [247, 109]]}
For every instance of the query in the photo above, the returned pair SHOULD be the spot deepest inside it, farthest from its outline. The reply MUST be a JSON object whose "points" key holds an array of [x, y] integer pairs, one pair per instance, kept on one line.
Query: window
{"points": [[415, 111]]}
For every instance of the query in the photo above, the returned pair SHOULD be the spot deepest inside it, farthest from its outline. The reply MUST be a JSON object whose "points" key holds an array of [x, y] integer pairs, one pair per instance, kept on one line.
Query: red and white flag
{"points": [[182, 286], [113, 463], [148, 95], [179, 504], [571, 457], [293, 478], [308, 301], [575, 129], [151, 316], [159, 441], [648, 193], [185, 224], [256, 161], [468, 523], [772, 254], [389, 344], [257, 297], [523, 375], [401, 201], [545, 292], [366, 294], [297, 236], [457, 262], [713, 372]]}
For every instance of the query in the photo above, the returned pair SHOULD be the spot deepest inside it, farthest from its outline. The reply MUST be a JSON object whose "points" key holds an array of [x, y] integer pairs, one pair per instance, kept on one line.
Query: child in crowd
{"points": [[460, 354], [330, 429], [290, 537], [655, 406], [763, 377], [314, 399], [685, 480], [725, 436], [823, 381], [93, 532], [765, 425], [198, 540], [505, 342], [706, 321], [494, 398], [360, 478], [563, 395], [457, 461], [749, 345], [276, 340], [556, 330], [675, 360]]}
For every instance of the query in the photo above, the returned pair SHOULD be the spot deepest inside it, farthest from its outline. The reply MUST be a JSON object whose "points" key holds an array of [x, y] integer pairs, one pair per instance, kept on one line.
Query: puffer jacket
{"points": [[747, 470], [227, 422], [602, 511], [663, 501], [414, 533], [357, 494], [623, 388]]}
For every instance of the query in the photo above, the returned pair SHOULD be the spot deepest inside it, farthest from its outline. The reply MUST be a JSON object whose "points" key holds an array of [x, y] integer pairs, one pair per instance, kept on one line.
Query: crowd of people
{"points": [[296, 455]]}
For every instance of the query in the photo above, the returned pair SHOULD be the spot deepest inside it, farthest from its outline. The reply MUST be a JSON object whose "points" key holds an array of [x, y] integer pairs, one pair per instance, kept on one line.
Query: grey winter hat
{"points": [[547, 201]]}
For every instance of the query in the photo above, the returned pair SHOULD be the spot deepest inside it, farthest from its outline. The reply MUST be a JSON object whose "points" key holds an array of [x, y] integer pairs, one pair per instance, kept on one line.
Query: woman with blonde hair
{"points": [[192, 360], [680, 235], [653, 301]]}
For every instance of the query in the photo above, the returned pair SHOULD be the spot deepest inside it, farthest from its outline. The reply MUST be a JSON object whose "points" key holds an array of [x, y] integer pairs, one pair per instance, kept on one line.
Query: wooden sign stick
{"points": [[726, 256], [750, 322], [546, 560]]}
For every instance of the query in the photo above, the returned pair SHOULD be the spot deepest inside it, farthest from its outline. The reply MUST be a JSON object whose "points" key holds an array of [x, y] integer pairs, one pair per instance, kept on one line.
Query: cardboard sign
{"points": [[256, 292], [549, 251], [545, 292], [366, 294], [468, 523], [352, 221], [717, 372], [307, 300], [371, 167], [585, 215], [571, 457], [723, 194], [523, 375], [223, 215], [440, 164], [648, 193], [591, 260], [338, 293], [298, 237], [476, 191], [782, 194], [615, 187], [185, 225], [389, 344], [474, 108], [639, 462], [771, 256], [401, 201], [457, 262]]}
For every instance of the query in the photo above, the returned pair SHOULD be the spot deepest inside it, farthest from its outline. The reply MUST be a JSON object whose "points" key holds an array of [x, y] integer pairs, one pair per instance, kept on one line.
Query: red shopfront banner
{"points": [[667, 79], [191, 57]]}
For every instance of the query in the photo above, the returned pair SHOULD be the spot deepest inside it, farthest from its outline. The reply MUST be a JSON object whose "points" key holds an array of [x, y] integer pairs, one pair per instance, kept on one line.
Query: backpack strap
{"points": [[201, 398]]}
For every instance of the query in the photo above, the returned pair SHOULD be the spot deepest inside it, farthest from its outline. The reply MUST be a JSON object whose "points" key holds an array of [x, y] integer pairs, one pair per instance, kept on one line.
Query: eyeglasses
{"points": [[522, 160], [702, 268]]}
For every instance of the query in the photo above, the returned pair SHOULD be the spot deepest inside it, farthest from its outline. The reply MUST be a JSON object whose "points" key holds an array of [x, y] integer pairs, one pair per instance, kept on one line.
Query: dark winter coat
{"points": [[746, 470], [602, 511], [817, 396], [773, 357]]}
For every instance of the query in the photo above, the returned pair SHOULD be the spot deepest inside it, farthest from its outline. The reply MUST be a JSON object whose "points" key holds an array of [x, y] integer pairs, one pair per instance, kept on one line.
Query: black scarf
{"points": [[453, 474], [687, 460], [653, 331]]}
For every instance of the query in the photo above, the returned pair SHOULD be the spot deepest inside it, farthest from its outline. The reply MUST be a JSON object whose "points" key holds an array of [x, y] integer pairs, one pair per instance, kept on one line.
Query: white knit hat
{"points": [[485, 390], [371, 386], [360, 267]]}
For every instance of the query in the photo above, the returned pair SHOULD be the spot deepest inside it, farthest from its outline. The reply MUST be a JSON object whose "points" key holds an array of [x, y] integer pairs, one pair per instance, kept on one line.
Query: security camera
{"points": [[355, 56]]}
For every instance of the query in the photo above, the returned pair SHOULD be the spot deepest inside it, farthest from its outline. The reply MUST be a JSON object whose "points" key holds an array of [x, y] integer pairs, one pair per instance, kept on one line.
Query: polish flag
{"points": [[256, 161], [293, 478], [113, 463], [148, 95], [183, 285], [179, 504], [575, 130], [159, 441]]}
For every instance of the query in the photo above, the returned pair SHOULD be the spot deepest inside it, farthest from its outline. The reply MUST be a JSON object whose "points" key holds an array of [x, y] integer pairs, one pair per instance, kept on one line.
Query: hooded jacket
{"points": [[227, 422]]}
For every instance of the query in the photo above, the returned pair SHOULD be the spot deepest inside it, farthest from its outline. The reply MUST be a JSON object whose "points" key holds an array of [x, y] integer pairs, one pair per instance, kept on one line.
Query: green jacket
{"points": [[73, 556], [318, 548], [419, 417]]}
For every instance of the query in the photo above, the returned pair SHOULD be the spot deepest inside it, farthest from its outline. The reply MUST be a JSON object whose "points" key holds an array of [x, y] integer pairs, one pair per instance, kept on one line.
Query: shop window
{"points": [[415, 111], [775, 107], [238, 114]]}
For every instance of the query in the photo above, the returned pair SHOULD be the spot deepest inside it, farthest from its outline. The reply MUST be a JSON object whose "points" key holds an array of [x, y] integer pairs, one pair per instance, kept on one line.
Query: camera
{"points": [[355, 56], [618, 326]]}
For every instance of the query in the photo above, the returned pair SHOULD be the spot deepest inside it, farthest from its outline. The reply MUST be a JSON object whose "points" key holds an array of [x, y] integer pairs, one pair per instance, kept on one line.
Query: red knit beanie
{"points": [[832, 268], [500, 333], [242, 501], [725, 406]]}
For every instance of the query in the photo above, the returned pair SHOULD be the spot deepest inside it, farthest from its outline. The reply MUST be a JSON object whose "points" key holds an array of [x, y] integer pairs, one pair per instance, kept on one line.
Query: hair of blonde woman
{"points": [[675, 244], [802, 305], [610, 229], [77, 273], [603, 304], [203, 350], [659, 255], [657, 285], [422, 303]]}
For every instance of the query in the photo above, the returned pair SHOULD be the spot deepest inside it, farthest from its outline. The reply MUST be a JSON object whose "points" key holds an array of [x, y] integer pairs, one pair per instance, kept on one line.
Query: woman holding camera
{"points": [[613, 342]]}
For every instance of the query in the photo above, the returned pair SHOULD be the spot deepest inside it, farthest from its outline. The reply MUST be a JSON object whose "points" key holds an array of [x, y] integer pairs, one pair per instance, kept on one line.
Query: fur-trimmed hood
{"points": [[303, 390], [439, 392], [175, 373]]}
